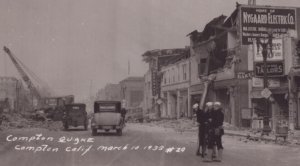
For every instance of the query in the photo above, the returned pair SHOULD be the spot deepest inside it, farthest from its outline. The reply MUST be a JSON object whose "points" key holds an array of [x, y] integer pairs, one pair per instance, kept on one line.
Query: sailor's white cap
{"points": [[209, 103], [195, 106]]}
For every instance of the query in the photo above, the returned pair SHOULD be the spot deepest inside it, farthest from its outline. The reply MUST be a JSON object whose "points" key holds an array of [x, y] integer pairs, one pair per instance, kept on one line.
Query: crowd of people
{"points": [[210, 121]]}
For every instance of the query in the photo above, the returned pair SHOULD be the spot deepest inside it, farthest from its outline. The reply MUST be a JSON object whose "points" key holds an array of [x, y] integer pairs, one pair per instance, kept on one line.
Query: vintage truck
{"points": [[75, 115]]}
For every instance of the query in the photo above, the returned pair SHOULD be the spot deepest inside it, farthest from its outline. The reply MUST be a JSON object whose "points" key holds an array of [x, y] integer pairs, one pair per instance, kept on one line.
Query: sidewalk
{"points": [[292, 138], [188, 125]]}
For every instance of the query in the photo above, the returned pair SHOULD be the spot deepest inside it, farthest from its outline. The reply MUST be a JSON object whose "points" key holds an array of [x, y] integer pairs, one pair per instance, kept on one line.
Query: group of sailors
{"points": [[210, 121]]}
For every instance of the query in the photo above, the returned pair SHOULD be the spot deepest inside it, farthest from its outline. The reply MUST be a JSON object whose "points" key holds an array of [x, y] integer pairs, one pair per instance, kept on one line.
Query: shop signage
{"points": [[256, 21], [266, 93], [277, 53], [259, 82], [273, 69], [245, 75]]}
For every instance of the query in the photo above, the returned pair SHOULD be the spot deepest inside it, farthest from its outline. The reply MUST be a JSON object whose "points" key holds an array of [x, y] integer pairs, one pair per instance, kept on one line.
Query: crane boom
{"points": [[23, 74]]}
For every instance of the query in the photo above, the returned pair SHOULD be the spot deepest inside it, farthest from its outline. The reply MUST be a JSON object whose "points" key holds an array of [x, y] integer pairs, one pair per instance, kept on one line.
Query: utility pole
{"points": [[251, 2], [265, 46]]}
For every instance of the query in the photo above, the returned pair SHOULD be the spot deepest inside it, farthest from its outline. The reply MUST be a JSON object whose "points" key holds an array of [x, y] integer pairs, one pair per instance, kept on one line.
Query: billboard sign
{"points": [[276, 55], [256, 21], [273, 69]]}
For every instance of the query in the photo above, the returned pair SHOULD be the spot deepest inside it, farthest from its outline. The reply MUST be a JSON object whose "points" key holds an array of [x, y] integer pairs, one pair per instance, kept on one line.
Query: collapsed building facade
{"points": [[226, 51], [225, 64]]}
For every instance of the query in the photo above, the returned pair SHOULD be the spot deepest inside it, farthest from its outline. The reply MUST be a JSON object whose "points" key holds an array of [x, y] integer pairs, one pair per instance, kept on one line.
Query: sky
{"points": [[78, 46]]}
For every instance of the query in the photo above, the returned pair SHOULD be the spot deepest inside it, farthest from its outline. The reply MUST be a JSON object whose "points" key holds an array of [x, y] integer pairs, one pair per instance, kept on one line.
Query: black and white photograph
{"points": [[149, 82]]}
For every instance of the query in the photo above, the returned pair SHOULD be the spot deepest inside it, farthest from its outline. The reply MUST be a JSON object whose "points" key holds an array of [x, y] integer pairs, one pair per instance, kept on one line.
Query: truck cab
{"points": [[75, 115]]}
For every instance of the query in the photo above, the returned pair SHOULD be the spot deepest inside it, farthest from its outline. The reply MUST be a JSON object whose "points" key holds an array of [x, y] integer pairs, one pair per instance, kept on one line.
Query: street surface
{"points": [[146, 146]]}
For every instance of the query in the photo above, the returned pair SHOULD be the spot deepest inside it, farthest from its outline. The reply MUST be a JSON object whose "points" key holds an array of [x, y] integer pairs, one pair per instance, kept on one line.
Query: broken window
{"points": [[202, 66], [218, 54]]}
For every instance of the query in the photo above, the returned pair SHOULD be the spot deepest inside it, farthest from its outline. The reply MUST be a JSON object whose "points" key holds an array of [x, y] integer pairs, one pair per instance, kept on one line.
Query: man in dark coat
{"points": [[217, 130], [208, 128], [202, 119]]}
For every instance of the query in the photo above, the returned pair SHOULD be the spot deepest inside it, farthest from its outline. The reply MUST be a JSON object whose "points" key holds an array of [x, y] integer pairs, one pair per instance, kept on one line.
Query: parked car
{"points": [[107, 116], [75, 115]]}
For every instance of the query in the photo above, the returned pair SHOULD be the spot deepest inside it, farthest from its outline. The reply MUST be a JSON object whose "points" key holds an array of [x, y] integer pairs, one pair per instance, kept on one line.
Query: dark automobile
{"points": [[75, 115], [107, 116]]}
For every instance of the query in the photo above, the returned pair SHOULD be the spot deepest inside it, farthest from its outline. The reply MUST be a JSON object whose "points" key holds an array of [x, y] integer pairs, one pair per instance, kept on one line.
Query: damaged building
{"points": [[167, 76], [132, 91], [13, 96], [226, 57], [175, 84]]}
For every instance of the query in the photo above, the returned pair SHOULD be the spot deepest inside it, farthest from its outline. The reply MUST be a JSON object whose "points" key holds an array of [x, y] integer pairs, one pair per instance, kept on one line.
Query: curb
{"points": [[227, 132], [244, 135]]}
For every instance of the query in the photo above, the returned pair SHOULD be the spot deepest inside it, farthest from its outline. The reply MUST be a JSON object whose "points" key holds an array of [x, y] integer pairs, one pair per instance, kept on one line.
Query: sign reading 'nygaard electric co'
{"points": [[257, 21], [273, 69]]}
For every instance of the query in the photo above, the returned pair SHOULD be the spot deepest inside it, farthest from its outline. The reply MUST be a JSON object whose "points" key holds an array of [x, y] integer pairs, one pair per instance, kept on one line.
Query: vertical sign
{"points": [[256, 21], [154, 81]]}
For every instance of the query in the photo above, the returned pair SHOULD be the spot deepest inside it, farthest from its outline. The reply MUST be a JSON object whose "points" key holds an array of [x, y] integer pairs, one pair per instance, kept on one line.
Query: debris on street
{"points": [[16, 120], [245, 135], [179, 125]]}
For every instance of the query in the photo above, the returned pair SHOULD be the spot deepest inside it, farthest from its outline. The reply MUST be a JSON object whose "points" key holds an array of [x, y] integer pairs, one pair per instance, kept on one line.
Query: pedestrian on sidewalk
{"points": [[217, 130]]}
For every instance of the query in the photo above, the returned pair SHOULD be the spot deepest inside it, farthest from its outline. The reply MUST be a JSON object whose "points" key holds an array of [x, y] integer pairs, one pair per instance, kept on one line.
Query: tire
{"points": [[119, 132], [94, 132]]}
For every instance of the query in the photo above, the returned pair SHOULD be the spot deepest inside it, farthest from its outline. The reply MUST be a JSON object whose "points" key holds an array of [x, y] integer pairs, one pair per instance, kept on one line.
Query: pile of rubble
{"points": [[179, 125], [228, 126], [243, 134], [185, 124], [17, 120], [255, 135]]}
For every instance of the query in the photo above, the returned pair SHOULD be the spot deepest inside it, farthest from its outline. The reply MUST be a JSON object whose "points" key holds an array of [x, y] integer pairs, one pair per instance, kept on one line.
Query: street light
{"points": [[265, 43]]}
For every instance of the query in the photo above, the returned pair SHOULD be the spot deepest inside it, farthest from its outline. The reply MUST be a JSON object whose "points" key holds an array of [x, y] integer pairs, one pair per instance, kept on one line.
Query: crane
{"points": [[33, 90], [51, 105]]}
